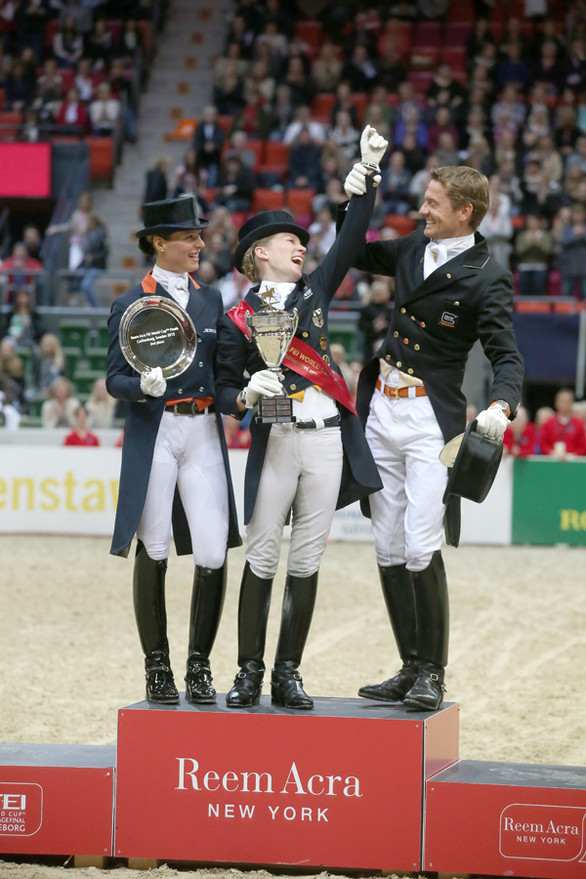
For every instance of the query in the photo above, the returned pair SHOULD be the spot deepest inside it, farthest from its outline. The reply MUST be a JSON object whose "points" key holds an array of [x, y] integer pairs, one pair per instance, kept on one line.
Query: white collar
{"points": [[170, 280], [454, 246]]}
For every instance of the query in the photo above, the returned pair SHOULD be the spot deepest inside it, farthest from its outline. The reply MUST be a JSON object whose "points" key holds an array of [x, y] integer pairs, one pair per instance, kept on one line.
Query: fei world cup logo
{"points": [[21, 808], [543, 832]]}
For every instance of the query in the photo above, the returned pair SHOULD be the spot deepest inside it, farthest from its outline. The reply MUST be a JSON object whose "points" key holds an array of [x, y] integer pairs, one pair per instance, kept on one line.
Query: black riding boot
{"points": [[253, 612], [297, 611], [433, 620], [400, 601], [207, 600], [151, 619]]}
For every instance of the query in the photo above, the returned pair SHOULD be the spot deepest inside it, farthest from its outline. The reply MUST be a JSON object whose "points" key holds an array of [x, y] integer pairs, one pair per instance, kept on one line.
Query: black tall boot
{"points": [[433, 621], [207, 601], [151, 619], [400, 601], [253, 612], [296, 613]]}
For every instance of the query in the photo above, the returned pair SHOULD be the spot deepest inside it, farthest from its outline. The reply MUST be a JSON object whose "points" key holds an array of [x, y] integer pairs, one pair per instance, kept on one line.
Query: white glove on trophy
{"points": [[373, 146], [492, 422], [153, 383], [263, 383]]}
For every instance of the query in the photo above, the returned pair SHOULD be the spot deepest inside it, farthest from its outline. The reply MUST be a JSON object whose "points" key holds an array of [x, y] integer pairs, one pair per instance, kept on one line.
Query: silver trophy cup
{"points": [[156, 331], [272, 332]]}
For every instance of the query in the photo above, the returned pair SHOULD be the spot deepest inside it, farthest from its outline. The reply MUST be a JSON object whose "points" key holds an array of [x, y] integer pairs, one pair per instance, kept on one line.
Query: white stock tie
{"points": [[436, 254]]}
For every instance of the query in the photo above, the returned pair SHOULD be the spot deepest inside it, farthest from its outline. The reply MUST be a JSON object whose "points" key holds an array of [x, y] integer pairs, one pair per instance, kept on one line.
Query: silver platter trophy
{"points": [[156, 331], [272, 332]]}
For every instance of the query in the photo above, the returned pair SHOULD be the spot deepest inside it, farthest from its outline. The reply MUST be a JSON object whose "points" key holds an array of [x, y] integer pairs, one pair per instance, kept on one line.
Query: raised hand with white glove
{"points": [[493, 422], [373, 146], [263, 383], [153, 383]]}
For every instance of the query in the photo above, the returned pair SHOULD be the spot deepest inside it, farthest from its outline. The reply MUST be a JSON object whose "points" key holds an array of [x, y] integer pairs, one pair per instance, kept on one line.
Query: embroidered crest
{"points": [[323, 342], [326, 359], [308, 292], [448, 320], [318, 317]]}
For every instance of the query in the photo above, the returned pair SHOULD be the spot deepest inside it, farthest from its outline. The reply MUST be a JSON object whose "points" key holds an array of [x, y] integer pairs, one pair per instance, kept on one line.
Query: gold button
{"points": [[456, 302], [395, 334], [416, 347], [293, 387], [403, 311], [305, 335], [410, 371], [413, 317], [448, 276], [399, 364], [388, 357]]}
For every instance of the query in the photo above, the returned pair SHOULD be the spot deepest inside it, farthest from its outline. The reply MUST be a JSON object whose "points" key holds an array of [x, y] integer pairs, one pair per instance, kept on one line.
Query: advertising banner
{"points": [[549, 502]]}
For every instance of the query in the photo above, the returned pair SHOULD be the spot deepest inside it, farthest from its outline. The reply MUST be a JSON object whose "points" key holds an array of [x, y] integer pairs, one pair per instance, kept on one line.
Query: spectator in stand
{"points": [[228, 92], [73, 117], [122, 89], [81, 435], [442, 122], [233, 54], [156, 184], [130, 49], [233, 288], [414, 155], [548, 67], [84, 80], [239, 146], [479, 36], [59, 410], [445, 90], [563, 435], [23, 324], [9, 413], [67, 44], [222, 221], [50, 363], [578, 155], [236, 183], [49, 91], [31, 129], [218, 252], [379, 112], [345, 101], [496, 225], [243, 31], [280, 113], [575, 64], [76, 227], [447, 151], [13, 372], [326, 68], [360, 70], [303, 120], [105, 112], [421, 179], [33, 240], [299, 81], [208, 140], [94, 245], [540, 194], [19, 270], [572, 253], [303, 170], [395, 183], [411, 122], [533, 253], [345, 135], [253, 117], [510, 107], [99, 46], [541, 416], [537, 125], [322, 232], [375, 316], [519, 437], [549, 158], [275, 41], [512, 69], [100, 406], [19, 87]]}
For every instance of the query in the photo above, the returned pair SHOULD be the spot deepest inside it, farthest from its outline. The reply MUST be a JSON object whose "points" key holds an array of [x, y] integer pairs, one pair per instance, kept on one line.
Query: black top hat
{"points": [[475, 466], [261, 226], [171, 215]]}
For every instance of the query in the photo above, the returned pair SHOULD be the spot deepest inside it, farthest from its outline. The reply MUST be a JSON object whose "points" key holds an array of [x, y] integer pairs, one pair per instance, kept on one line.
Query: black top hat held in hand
{"points": [[171, 215], [475, 466], [261, 226]]}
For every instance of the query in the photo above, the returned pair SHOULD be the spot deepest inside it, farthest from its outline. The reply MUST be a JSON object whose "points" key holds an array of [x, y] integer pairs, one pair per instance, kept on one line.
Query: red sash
{"points": [[303, 360]]}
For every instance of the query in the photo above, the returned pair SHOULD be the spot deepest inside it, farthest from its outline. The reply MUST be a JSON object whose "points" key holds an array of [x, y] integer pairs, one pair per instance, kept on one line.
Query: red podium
{"points": [[339, 786], [56, 799], [507, 819]]}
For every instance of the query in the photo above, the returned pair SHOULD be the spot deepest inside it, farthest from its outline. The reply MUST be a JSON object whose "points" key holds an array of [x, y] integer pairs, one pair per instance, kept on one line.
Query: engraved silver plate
{"points": [[156, 331]]}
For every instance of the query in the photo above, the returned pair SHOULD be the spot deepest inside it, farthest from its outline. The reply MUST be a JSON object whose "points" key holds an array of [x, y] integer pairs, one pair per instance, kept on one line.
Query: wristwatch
{"points": [[504, 406]]}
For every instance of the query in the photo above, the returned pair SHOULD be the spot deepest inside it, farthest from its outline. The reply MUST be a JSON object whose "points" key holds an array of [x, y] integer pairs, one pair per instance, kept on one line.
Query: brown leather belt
{"points": [[412, 391], [188, 407]]}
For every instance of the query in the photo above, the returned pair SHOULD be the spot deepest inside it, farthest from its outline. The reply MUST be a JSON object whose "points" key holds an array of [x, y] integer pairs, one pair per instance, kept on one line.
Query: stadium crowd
{"points": [[499, 85]]}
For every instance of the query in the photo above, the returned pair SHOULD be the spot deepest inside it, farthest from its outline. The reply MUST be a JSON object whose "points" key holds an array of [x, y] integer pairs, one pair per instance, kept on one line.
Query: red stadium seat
{"points": [[276, 157], [101, 158], [299, 202], [268, 200], [321, 107], [403, 225]]}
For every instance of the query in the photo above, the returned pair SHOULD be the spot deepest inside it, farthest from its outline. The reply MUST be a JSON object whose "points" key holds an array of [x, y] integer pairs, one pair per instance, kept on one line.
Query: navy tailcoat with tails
{"points": [[311, 296], [144, 412], [434, 325]]}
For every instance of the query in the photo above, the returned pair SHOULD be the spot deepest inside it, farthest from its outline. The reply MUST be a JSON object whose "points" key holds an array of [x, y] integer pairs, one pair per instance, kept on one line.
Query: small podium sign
{"points": [[340, 786]]}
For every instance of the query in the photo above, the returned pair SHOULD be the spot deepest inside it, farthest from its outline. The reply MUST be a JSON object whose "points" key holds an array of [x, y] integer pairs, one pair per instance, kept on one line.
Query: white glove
{"points": [[492, 422], [153, 383], [262, 384], [355, 182], [373, 146]]}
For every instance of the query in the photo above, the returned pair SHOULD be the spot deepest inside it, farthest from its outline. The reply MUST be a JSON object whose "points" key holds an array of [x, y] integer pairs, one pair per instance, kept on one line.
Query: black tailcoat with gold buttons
{"points": [[311, 296], [144, 413], [436, 322]]}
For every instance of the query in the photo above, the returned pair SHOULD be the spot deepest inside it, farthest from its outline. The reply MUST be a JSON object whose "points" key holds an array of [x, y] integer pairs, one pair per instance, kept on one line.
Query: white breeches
{"points": [[408, 513], [302, 472], [188, 455]]}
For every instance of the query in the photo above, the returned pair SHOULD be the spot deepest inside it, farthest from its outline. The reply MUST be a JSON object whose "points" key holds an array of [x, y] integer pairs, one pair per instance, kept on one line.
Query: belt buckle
{"points": [[394, 392]]}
